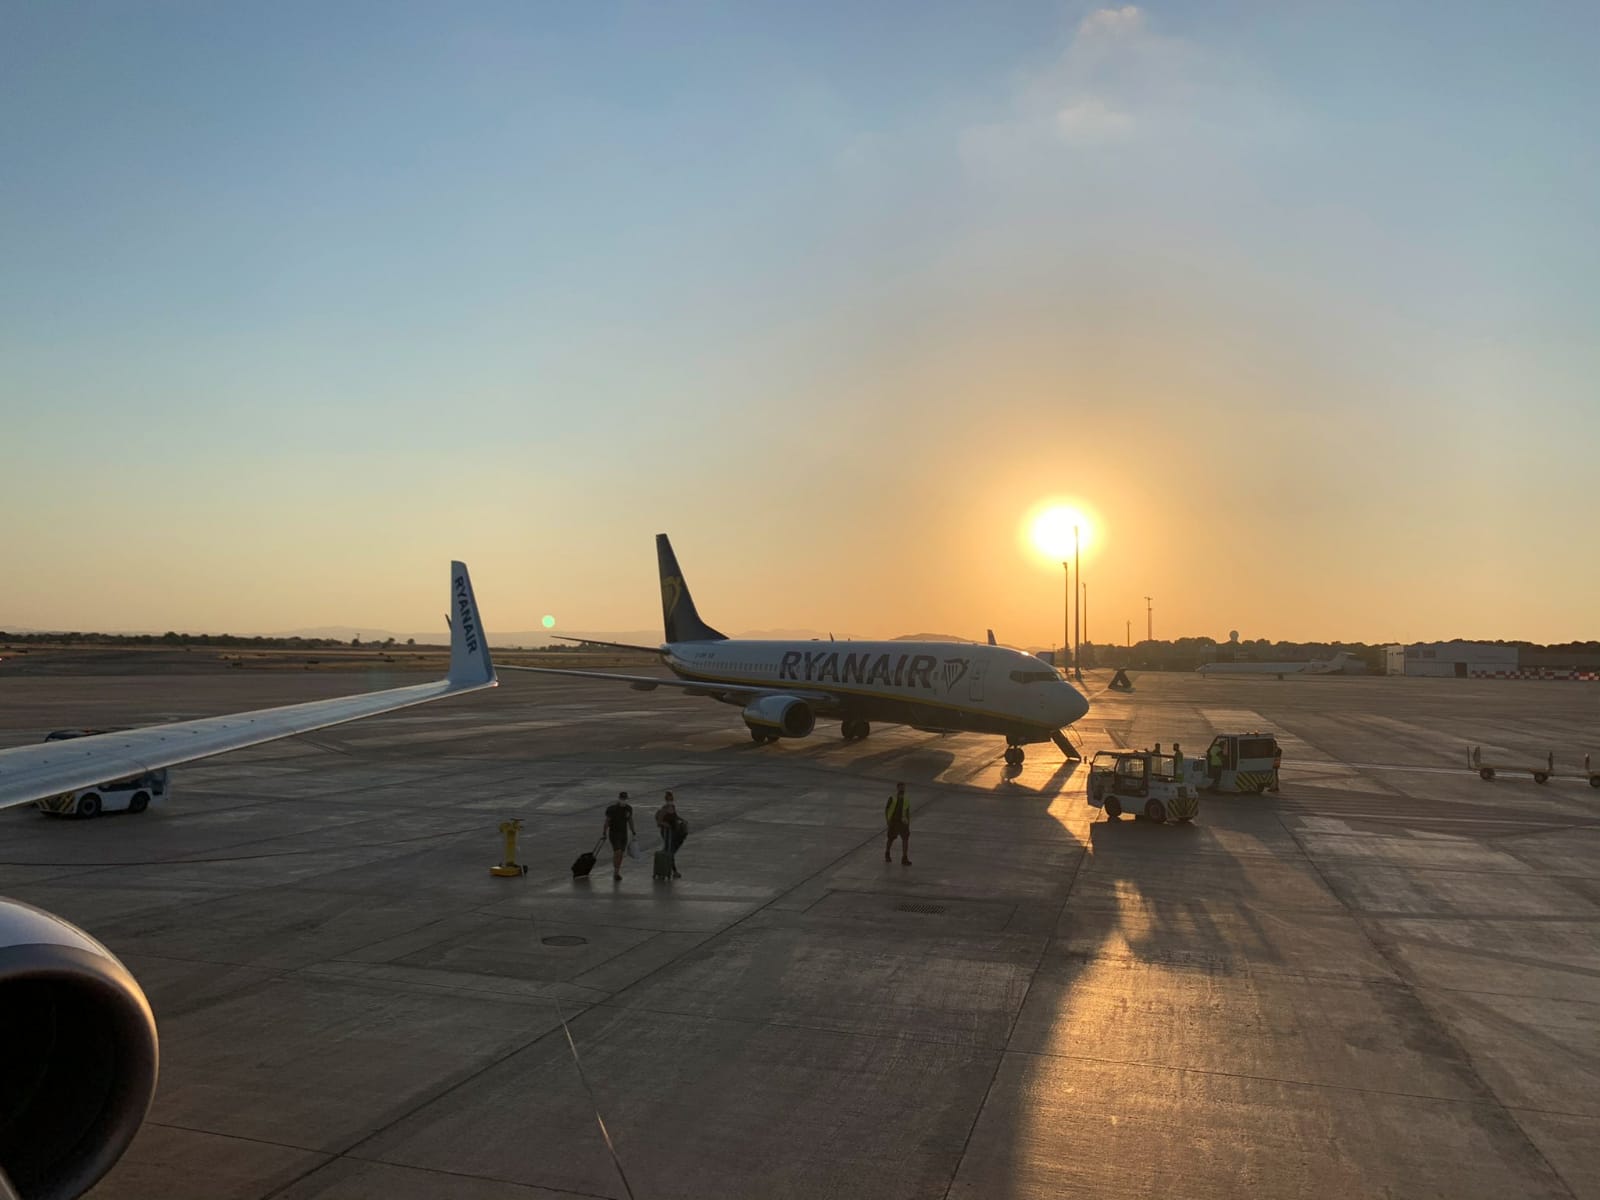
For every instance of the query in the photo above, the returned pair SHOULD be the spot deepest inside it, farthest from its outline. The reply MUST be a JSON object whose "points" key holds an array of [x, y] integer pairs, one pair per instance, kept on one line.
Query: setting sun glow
{"points": [[1050, 530]]}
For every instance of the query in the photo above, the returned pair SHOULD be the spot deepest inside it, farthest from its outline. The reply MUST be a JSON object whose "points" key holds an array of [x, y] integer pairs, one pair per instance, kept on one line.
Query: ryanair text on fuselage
{"points": [[905, 670]]}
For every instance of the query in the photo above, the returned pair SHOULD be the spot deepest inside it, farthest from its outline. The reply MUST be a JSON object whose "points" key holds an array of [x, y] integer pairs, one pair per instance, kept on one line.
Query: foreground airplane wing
{"points": [[29, 773]]}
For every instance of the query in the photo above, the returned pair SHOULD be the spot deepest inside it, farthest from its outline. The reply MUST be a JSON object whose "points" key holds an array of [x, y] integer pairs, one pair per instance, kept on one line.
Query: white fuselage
{"points": [[931, 685]]}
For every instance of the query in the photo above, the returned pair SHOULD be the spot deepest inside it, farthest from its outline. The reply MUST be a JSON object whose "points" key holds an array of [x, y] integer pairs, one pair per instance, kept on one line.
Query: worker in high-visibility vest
{"points": [[897, 813], [1214, 761]]}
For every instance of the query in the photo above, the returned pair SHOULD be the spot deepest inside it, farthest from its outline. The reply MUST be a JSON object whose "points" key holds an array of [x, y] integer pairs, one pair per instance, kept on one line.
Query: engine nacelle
{"points": [[79, 1047], [786, 716]]}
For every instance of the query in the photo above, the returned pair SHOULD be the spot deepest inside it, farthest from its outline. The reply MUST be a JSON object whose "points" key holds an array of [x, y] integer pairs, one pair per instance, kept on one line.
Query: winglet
{"points": [[470, 665]]}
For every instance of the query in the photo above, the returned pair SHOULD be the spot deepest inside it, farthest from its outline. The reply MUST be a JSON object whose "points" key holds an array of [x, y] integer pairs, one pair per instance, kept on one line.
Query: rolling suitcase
{"points": [[663, 866], [584, 863]]}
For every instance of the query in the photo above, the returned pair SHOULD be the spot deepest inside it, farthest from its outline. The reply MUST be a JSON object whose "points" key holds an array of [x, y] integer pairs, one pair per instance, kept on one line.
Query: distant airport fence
{"points": [[1546, 673]]}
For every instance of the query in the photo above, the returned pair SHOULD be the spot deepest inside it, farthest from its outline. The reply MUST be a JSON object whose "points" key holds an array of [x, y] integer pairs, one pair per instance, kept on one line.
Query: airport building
{"points": [[1480, 660], [1459, 660]]}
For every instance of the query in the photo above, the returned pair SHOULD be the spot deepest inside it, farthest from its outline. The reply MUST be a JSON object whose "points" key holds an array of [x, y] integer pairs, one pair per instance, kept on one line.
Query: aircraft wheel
{"points": [[1541, 777], [89, 806], [1485, 772], [1014, 755], [758, 737], [140, 802], [1113, 808], [1594, 781], [1155, 811], [862, 729]]}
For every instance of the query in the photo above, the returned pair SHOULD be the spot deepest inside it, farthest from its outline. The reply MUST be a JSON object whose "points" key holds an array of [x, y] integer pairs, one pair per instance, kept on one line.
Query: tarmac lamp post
{"points": [[1077, 569], [1066, 613]]}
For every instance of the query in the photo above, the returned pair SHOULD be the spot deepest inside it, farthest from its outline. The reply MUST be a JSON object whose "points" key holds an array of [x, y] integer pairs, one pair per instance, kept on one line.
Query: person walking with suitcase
{"points": [[898, 815], [619, 828], [673, 830]]}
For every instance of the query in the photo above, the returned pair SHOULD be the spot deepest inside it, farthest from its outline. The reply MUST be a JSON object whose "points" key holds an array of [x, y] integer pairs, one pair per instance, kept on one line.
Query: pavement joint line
{"points": [[1488, 1099], [545, 1187], [1444, 1032], [1085, 851], [469, 1074], [327, 1155], [828, 1030]]}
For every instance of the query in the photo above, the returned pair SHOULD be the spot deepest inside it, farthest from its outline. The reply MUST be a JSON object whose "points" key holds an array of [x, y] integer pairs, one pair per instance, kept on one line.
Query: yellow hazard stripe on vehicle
{"points": [[1249, 781]]}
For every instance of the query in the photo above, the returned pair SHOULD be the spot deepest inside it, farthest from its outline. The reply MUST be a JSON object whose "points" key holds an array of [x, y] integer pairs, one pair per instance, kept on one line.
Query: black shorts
{"points": [[619, 841], [899, 829]]}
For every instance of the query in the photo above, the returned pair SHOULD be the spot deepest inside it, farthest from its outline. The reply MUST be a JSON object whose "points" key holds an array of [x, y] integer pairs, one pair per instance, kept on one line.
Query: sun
{"points": [[1050, 530]]}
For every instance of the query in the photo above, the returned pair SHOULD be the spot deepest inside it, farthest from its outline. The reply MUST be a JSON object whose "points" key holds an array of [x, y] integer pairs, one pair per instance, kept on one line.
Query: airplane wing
{"points": [[692, 687], [583, 641], [29, 773]]}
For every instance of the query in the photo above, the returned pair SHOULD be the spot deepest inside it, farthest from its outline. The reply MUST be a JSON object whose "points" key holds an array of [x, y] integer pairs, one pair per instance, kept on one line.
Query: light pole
{"points": [[1077, 569], [1066, 613]]}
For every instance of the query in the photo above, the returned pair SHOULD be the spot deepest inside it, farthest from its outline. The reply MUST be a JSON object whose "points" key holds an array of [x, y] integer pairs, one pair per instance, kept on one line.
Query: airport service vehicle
{"points": [[78, 1040], [782, 687], [1250, 763], [1157, 787], [133, 794], [1317, 666]]}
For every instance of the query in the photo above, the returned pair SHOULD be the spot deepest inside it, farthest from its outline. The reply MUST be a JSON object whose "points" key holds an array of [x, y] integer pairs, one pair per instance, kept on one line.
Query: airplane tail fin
{"points": [[678, 615], [470, 665]]}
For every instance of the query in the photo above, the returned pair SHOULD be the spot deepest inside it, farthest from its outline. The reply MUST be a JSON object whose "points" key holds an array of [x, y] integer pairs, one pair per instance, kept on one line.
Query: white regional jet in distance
{"points": [[78, 1042], [784, 686], [1317, 666]]}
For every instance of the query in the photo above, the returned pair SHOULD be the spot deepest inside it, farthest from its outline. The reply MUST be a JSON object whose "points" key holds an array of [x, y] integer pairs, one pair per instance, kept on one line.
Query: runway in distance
{"points": [[784, 686], [77, 1037], [1317, 666]]}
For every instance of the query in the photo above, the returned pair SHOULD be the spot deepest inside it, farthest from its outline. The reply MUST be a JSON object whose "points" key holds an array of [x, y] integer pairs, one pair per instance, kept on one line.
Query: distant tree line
{"points": [[1185, 654], [172, 638]]}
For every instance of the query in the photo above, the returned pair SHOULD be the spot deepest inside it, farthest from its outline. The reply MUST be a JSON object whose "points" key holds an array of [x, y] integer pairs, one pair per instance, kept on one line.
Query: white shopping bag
{"points": [[633, 847]]}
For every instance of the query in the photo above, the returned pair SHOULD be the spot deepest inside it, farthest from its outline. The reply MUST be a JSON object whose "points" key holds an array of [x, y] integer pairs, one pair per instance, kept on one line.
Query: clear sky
{"points": [[299, 301]]}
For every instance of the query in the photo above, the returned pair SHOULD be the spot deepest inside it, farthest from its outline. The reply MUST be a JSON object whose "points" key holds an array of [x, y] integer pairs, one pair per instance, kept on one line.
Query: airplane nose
{"points": [[1072, 705]]}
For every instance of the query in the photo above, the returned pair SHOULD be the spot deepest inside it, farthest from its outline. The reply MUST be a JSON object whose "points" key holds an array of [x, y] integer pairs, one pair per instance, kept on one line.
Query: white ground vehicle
{"points": [[133, 794], [1242, 762], [1145, 783]]}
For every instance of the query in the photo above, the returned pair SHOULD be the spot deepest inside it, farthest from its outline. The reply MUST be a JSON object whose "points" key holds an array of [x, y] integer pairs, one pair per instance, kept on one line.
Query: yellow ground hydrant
{"points": [[508, 830]]}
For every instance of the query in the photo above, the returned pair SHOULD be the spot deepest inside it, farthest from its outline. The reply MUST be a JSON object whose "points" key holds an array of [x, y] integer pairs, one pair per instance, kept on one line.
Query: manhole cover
{"points": [[932, 910], [565, 939]]}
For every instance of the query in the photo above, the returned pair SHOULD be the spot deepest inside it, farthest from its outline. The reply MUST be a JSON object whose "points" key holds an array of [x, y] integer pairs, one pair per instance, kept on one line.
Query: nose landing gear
{"points": [[1014, 756]]}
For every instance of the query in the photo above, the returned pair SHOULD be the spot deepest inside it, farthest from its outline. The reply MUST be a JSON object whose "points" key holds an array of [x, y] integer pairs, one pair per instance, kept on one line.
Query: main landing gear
{"points": [[1014, 756], [853, 729], [761, 737]]}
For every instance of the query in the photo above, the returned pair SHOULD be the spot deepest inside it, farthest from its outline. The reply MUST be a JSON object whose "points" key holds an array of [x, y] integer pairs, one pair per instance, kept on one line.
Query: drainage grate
{"points": [[565, 939], [932, 910]]}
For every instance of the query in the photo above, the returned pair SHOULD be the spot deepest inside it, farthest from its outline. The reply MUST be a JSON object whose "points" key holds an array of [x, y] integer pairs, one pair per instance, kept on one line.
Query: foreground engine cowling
{"points": [[786, 716], [78, 1055]]}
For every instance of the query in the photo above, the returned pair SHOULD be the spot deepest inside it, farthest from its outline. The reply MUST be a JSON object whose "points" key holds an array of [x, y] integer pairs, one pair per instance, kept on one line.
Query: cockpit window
{"points": [[1033, 676]]}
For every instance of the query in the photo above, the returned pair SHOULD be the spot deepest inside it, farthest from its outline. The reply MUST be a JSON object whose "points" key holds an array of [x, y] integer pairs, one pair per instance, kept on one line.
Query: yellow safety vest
{"points": [[889, 813]]}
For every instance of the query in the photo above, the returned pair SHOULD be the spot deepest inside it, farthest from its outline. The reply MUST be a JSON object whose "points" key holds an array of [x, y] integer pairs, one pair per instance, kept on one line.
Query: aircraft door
{"points": [[975, 686]]}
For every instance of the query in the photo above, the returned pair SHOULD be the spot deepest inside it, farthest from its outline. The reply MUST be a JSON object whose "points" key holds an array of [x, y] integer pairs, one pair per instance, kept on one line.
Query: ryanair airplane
{"points": [[783, 686]]}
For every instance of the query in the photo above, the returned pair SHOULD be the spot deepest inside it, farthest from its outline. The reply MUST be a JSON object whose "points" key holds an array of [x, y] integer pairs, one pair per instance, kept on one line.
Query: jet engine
{"points": [[78, 1055], [780, 716]]}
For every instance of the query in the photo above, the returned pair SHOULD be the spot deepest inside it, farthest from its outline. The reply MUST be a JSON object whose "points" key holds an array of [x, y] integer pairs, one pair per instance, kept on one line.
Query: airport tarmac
{"points": [[1381, 981]]}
